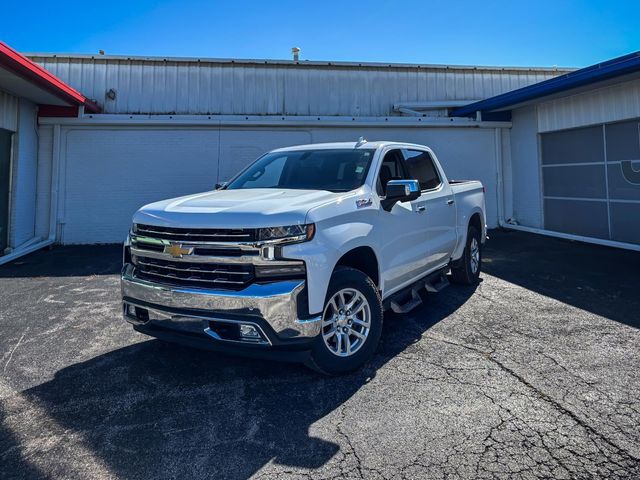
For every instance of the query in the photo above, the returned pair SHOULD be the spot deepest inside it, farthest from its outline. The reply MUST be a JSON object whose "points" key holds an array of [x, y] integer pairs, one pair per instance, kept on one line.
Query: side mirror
{"points": [[220, 186], [400, 191]]}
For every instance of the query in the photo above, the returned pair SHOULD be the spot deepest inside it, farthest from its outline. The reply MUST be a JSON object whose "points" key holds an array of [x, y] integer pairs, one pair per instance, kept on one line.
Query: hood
{"points": [[249, 208]]}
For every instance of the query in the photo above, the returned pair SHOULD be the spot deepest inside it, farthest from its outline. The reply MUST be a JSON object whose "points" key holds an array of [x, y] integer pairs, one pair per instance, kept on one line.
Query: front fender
{"points": [[333, 239]]}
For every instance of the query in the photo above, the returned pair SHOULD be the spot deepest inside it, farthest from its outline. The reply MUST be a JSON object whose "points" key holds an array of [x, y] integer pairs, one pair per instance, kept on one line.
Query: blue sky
{"points": [[540, 33]]}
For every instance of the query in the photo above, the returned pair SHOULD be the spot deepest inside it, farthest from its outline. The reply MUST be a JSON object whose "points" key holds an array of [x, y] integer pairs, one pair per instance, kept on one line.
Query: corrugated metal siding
{"points": [[8, 112], [608, 104], [25, 169], [227, 88]]}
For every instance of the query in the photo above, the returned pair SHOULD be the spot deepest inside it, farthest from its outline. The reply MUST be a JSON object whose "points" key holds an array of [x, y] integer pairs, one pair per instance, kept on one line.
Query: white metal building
{"points": [[26, 182], [574, 168], [166, 127]]}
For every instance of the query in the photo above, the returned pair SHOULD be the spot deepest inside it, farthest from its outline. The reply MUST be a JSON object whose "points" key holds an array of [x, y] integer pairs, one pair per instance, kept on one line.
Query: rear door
{"points": [[5, 179], [437, 206]]}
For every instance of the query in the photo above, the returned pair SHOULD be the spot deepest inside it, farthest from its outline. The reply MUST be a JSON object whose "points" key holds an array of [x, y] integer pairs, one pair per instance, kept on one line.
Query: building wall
{"points": [[526, 190], [586, 138], [608, 104], [20, 116], [108, 172], [8, 111], [125, 161], [226, 87], [25, 168]]}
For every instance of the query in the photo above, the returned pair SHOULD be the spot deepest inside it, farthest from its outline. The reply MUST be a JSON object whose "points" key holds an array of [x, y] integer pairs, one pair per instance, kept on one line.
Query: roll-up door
{"points": [[591, 181]]}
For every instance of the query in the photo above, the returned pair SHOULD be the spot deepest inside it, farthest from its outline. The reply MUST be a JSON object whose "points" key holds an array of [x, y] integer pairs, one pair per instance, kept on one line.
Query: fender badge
{"points": [[364, 203]]}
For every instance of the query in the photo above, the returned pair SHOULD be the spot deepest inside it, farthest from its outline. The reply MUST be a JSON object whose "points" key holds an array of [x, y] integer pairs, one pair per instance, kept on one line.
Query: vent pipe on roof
{"points": [[296, 53]]}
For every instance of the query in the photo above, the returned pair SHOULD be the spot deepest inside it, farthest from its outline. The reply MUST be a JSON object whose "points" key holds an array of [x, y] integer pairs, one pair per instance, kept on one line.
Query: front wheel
{"points": [[467, 270], [351, 323]]}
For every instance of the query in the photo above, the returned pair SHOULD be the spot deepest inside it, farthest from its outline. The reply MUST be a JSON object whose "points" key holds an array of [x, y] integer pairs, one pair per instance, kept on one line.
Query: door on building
{"points": [[5, 182], [591, 181]]}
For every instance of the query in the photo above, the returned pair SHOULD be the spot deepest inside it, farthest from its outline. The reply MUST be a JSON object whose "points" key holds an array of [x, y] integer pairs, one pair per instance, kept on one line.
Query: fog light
{"points": [[132, 310], [289, 270], [249, 332]]}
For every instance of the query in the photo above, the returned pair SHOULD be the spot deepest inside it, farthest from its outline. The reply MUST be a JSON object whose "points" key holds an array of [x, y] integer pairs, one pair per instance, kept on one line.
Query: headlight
{"points": [[290, 234]]}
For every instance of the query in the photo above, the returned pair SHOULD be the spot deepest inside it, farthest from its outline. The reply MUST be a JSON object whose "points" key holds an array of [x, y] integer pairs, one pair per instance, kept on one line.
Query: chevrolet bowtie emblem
{"points": [[177, 251]]}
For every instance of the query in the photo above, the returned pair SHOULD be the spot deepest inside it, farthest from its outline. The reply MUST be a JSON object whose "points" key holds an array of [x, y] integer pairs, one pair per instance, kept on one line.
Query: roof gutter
{"points": [[585, 76]]}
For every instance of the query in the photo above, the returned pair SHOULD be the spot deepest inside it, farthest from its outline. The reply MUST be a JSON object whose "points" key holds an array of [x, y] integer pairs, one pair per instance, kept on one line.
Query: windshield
{"points": [[336, 170]]}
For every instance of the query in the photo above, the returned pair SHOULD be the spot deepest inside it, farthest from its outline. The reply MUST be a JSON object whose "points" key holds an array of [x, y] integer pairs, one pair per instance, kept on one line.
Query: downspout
{"points": [[499, 177]]}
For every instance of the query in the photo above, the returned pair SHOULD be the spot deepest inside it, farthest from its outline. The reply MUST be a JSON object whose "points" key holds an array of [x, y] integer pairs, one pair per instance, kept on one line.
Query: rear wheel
{"points": [[351, 323], [467, 270]]}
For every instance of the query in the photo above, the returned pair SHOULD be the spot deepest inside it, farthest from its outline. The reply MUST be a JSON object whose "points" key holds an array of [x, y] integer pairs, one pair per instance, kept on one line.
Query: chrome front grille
{"points": [[231, 276], [198, 234]]}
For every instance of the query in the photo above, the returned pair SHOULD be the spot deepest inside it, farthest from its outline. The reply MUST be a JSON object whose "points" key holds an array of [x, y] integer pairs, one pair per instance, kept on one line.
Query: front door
{"points": [[404, 252], [5, 181]]}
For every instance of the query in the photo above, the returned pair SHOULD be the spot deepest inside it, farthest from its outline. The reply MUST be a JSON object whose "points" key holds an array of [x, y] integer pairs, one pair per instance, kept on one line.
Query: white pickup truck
{"points": [[299, 255]]}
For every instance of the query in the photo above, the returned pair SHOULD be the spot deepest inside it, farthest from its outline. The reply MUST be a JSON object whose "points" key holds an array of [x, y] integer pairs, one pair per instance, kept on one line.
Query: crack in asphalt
{"points": [[631, 461]]}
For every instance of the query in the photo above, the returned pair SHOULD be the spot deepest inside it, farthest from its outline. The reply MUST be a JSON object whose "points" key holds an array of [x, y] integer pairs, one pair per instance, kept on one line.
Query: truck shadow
{"points": [[159, 410]]}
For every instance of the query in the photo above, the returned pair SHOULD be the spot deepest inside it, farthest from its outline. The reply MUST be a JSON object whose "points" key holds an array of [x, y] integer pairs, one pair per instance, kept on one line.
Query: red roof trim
{"points": [[57, 111], [33, 72]]}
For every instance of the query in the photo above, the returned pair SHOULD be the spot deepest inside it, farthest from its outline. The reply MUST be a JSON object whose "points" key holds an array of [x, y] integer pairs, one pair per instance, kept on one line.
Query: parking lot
{"points": [[534, 373]]}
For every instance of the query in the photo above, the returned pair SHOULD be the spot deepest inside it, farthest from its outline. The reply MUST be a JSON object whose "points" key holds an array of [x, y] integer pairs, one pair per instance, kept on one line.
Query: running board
{"points": [[409, 305], [409, 298], [435, 285]]}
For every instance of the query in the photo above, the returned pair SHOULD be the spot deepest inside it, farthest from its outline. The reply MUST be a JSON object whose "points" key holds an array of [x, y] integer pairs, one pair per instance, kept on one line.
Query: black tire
{"points": [[462, 271], [325, 361]]}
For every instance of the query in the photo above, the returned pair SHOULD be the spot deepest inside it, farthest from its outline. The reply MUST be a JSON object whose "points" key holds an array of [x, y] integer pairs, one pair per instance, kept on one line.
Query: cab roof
{"points": [[347, 145]]}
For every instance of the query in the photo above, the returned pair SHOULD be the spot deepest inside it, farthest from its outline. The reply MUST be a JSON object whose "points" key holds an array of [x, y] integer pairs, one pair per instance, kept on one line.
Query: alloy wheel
{"points": [[346, 322], [475, 255]]}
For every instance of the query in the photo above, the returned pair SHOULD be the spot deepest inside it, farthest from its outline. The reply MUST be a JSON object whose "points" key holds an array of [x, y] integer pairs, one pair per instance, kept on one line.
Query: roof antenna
{"points": [[361, 141]]}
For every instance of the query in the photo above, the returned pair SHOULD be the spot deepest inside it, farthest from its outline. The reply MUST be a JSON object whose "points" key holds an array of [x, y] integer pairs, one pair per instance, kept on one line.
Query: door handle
{"points": [[421, 209], [450, 201]]}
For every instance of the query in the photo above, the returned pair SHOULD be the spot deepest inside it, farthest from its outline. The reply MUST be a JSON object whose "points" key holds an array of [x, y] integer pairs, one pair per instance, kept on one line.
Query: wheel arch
{"points": [[476, 221], [362, 258]]}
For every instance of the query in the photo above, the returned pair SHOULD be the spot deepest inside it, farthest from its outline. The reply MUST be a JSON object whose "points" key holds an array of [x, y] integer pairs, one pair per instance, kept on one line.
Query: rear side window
{"points": [[422, 168]]}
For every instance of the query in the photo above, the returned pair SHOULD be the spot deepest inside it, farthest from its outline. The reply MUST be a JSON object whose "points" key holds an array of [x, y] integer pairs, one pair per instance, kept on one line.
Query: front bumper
{"points": [[277, 310]]}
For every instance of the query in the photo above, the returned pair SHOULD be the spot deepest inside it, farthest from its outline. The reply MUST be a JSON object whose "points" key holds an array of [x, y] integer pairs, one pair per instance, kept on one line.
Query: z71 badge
{"points": [[364, 202]]}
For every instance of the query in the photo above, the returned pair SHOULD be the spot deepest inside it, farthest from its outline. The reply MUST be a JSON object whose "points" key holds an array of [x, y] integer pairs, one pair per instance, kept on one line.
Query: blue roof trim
{"points": [[595, 73]]}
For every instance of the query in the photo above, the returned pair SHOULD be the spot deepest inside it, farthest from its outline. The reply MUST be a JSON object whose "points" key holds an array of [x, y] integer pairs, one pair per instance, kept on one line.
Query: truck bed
{"points": [[461, 186]]}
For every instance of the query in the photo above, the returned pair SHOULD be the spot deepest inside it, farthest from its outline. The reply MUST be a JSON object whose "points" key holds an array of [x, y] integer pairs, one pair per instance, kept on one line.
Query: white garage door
{"points": [[110, 173]]}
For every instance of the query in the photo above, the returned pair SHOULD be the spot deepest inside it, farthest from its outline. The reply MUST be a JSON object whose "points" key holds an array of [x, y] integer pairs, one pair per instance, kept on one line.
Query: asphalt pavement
{"points": [[534, 373]]}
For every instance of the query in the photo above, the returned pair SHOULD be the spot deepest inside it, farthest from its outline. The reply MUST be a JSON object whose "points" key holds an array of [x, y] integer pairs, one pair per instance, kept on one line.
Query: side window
{"points": [[422, 168], [391, 169]]}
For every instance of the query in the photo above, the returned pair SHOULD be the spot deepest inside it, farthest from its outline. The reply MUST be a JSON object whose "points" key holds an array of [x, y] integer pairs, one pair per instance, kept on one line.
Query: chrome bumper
{"points": [[272, 307]]}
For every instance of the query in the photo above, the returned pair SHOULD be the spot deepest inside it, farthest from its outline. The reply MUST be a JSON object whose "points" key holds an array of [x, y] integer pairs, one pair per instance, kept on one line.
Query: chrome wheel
{"points": [[475, 255], [346, 322]]}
